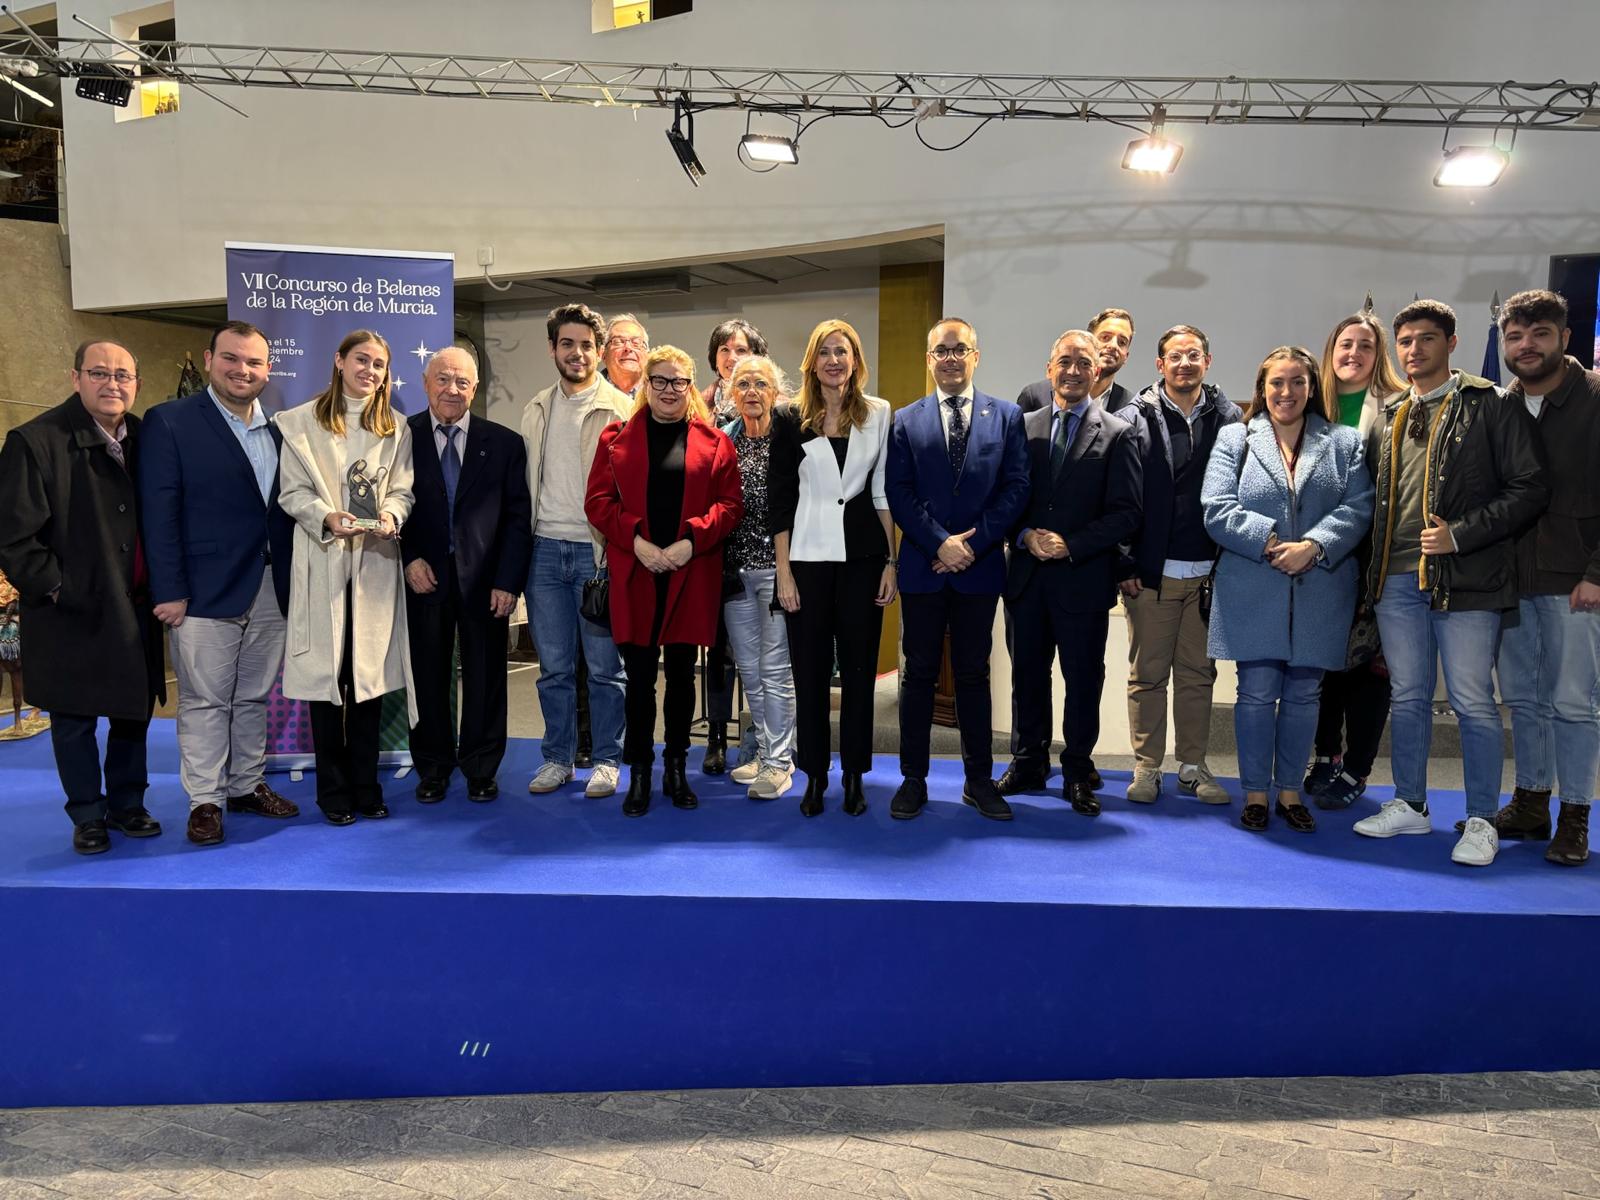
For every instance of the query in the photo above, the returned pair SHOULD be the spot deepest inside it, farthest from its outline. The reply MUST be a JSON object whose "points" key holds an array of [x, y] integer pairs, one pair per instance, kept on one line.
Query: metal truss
{"points": [[888, 95]]}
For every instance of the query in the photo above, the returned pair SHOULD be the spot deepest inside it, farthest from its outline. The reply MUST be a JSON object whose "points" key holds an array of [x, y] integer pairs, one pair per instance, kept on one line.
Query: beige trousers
{"points": [[1167, 637]]}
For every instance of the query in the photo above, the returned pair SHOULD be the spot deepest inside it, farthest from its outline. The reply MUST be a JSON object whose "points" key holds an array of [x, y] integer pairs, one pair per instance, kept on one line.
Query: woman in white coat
{"points": [[347, 642]]}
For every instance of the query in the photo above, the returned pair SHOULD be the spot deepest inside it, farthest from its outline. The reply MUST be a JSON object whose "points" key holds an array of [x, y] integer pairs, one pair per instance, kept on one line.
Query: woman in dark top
{"points": [[834, 542], [664, 490]]}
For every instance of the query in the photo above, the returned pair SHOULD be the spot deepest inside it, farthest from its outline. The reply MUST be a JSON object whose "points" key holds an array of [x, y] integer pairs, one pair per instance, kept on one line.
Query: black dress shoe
{"points": [[482, 790], [716, 759], [855, 799], [584, 757], [1014, 781], [134, 822], [1094, 779], [1082, 798], [909, 799], [637, 802], [1254, 817], [982, 795], [1296, 816], [338, 816], [91, 838], [675, 783], [376, 813], [431, 791], [811, 804]]}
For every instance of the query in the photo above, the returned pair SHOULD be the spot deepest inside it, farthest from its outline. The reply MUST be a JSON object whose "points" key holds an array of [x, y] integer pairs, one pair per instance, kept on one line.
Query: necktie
{"points": [[1059, 444], [450, 464], [958, 435]]}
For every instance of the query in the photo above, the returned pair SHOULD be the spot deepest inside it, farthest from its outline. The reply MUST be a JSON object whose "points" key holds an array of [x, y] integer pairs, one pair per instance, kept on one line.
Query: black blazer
{"points": [[862, 527], [1095, 505], [1039, 394], [494, 516]]}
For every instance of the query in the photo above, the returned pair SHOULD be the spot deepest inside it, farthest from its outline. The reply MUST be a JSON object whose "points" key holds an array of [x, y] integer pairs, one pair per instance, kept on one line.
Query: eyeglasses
{"points": [[637, 342], [1178, 358], [102, 376], [752, 385], [1417, 422], [677, 385], [457, 383], [943, 352]]}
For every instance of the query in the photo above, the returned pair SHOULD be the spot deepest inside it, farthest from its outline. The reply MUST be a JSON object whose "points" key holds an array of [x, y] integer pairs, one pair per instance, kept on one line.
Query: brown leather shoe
{"points": [[264, 801], [205, 825], [1526, 818], [1570, 846]]}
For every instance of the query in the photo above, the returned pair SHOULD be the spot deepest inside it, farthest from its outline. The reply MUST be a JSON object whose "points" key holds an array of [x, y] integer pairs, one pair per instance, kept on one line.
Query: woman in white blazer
{"points": [[347, 642], [835, 549]]}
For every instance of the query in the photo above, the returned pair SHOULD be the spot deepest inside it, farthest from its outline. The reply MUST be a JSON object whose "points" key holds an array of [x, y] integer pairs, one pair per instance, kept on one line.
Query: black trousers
{"points": [[72, 737], [1355, 704], [581, 690], [639, 700], [839, 616], [345, 738], [436, 747], [1044, 630], [719, 678], [924, 617]]}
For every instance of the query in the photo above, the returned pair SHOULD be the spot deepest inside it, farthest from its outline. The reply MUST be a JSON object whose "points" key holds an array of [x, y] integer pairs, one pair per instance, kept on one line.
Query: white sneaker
{"points": [[1478, 845], [602, 781], [771, 783], [1395, 817], [549, 777], [1146, 785], [1199, 782], [746, 771]]}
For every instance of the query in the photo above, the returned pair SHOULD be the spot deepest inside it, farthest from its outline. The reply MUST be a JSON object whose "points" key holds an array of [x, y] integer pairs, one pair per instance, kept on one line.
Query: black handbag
{"points": [[596, 603]]}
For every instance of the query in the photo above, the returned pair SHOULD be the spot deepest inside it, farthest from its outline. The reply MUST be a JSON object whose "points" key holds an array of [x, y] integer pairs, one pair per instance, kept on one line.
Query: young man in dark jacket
{"points": [[1549, 661], [1459, 475]]}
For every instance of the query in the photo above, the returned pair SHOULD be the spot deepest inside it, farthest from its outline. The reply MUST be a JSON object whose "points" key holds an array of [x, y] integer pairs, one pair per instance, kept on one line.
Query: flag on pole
{"points": [[1491, 354]]}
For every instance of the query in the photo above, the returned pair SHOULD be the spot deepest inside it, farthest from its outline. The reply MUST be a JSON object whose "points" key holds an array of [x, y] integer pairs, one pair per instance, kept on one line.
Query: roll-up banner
{"points": [[305, 299]]}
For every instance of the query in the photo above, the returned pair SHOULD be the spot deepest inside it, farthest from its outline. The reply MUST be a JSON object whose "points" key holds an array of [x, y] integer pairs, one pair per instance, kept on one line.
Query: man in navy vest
{"points": [[957, 479], [218, 547], [466, 550]]}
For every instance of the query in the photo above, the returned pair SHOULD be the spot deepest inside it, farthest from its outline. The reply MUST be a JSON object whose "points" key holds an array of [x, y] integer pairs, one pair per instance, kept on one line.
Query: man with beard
{"points": [[1548, 659], [1112, 330], [218, 547], [561, 430]]}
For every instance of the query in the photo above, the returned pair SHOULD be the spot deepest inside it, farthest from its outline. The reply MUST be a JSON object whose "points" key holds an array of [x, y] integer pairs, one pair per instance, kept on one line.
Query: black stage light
{"points": [[683, 143], [107, 85]]}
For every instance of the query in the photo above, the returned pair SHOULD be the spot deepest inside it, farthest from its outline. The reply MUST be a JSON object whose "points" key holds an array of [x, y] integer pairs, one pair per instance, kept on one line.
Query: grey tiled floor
{"points": [[1474, 1137]]}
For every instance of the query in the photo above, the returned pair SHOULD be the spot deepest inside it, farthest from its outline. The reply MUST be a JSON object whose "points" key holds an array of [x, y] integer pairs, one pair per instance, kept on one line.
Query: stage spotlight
{"points": [[1153, 155], [769, 148], [107, 85], [1471, 167], [683, 143]]}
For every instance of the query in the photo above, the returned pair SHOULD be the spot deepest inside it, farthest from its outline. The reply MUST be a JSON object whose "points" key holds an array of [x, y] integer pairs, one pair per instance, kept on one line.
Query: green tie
{"points": [[1058, 445]]}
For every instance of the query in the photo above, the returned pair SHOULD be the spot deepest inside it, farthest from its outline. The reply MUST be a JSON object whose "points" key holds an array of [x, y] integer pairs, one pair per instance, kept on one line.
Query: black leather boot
{"points": [[855, 799], [637, 802], [716, 759], [675, 783], [811, 805], [1570, 846], [1526, 818]]}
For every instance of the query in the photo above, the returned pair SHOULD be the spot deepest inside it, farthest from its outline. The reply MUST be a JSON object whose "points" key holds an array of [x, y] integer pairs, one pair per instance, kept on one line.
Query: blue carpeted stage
{"points": [[549, 943]]}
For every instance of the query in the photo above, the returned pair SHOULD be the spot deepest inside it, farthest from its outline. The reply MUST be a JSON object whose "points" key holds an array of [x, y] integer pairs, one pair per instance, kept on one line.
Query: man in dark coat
{"points": [[70, 544]]}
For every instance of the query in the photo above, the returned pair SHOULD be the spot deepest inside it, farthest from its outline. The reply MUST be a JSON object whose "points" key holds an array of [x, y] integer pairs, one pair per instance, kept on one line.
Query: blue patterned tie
{"points": [[958, 435], [450, 464]]}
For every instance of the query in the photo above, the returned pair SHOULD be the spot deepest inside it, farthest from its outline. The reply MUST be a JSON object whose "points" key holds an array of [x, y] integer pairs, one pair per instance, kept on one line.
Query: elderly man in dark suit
{"points": [[70, 544], [466, 548], [1113, 337], [1084, 499], [219, 546]]}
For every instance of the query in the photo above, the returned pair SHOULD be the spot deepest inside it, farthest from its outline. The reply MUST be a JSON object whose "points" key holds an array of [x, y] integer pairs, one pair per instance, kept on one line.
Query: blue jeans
{"points": [[1274, 723], [1415, 640], [1548, 667], [555, 590]]}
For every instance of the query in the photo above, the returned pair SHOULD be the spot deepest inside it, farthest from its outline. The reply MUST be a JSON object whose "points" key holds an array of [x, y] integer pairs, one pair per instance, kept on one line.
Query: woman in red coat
{"points": [[664, 490]]}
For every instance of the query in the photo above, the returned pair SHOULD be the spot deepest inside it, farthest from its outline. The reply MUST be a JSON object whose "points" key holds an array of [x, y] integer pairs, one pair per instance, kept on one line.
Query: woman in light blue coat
{"points": [[1287, 499]]}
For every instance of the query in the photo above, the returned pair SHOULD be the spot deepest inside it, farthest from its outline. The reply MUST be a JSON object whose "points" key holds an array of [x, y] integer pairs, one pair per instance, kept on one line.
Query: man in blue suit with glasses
{"points": [[957, 479]]}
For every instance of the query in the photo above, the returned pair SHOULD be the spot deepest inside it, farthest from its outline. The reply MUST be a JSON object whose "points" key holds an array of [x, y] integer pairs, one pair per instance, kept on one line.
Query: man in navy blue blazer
{"points": [[218, 550], [957, 478], [1085, 497], [466, 548]]}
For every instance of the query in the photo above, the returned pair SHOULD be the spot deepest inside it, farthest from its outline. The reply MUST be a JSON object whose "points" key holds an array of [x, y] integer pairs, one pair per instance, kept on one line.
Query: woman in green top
{"points": [[1357, 369]]}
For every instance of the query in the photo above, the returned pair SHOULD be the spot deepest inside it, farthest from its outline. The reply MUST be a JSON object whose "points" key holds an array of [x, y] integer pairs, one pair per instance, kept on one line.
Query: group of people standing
{"points": [[1336, 537]]}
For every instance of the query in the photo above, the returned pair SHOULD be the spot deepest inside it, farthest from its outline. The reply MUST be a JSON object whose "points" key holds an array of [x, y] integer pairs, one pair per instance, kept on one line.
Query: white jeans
{"points": [[759, 641]]}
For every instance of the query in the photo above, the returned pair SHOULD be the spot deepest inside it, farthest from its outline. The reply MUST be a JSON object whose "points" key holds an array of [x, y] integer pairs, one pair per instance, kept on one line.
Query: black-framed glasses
{"points": [[676, 384], [957, 352], [102, 376]]}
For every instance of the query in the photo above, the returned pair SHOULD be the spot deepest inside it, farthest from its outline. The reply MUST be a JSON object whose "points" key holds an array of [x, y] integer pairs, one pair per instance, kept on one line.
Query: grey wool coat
{"points": [[1258, 612], [312, 482]]}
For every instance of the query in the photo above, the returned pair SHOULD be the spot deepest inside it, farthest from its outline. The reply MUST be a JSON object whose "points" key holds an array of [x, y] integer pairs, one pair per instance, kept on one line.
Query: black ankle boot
{"points": [[855, 800], [1570, 847], [637, 802], [675, 783], [716, 759], [811, 806]]}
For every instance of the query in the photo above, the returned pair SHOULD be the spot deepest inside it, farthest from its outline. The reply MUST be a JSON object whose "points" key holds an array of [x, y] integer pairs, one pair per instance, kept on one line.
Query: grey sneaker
{"points": [[549, 777], [746, 771], [602, 781], [771, 783], [1199, 782], [1146, 785]]}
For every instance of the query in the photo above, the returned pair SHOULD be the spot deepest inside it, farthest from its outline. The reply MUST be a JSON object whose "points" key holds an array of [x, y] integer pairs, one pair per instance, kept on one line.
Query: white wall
{"points": [[518, 346]]}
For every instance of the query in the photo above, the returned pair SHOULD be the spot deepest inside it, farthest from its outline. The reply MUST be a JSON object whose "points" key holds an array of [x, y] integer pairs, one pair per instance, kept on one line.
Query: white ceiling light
{"points": [[1471, 167], [769, 148], [1153, 155]]}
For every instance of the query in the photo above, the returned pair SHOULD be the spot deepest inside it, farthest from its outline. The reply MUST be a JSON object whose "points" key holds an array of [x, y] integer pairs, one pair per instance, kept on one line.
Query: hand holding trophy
{"points": [[364, 498]]}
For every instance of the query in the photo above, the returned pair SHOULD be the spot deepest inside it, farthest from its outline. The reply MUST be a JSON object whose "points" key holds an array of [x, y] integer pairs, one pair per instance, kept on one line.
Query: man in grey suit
{"points": [[1112, 329]]}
